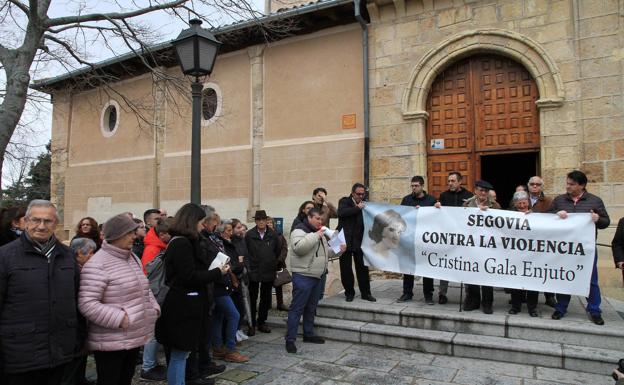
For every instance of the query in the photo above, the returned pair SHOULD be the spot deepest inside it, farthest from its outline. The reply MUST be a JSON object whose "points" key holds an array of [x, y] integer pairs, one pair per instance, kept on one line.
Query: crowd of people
{"points": [[161, 282]]}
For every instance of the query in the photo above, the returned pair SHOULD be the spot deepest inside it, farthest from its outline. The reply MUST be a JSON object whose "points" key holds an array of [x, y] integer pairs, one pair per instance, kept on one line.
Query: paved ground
{"points": [[346, 363], [339, 362]]}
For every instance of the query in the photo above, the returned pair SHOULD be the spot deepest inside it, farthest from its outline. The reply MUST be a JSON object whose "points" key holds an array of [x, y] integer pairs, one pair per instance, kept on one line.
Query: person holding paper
{"points": [[308, 254], [578, 200], [183, 313]]}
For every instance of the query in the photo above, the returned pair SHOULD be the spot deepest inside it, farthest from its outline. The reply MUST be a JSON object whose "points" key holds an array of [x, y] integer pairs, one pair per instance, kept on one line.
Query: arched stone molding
{"points": [[502, 42]]}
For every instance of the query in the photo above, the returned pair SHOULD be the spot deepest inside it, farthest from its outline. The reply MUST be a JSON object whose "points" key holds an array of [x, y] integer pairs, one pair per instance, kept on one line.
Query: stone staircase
{"points": [[573, 342]]}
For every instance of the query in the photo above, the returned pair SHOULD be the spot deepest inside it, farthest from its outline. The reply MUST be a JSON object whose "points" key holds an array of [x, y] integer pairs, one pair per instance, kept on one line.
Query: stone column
{"points": [[160, 122], [61, 135], [257, 123]]}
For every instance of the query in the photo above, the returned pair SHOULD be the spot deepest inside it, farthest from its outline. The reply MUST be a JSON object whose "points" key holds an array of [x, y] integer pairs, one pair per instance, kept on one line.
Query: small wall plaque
{"points": [[348, 121], [437, 144]]}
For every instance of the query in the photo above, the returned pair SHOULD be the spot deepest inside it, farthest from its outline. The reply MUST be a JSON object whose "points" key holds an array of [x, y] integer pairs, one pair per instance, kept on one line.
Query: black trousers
{"points": [[361, 271], [479, 295], [74, 373], [265, 288], [199, 360], [517, 296], [115, 367], [52, 376]]}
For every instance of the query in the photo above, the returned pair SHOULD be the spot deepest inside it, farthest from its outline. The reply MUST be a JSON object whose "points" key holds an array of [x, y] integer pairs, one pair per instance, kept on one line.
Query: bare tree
{"points": [[31, 41]]}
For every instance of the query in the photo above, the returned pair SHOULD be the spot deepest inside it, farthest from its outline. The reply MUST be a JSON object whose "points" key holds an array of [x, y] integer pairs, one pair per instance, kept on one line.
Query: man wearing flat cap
{"points": [[263, 248], [477, 296]]}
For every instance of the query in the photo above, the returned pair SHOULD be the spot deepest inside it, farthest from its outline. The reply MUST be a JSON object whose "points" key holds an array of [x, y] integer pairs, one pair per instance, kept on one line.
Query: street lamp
{"points": [[196, 49]]}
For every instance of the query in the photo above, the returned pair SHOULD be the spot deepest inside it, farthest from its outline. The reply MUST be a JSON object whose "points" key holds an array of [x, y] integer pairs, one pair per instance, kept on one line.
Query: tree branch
{"points": [[114, 15], [68, 48], [21, 6]]}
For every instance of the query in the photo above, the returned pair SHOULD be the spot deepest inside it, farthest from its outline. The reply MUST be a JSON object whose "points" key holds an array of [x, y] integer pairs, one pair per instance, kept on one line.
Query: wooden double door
{"points": [[480, 106]]}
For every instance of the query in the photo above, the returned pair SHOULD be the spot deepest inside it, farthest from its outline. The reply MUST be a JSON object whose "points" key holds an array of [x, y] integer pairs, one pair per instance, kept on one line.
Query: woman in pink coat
{"points": [[116, 300]]}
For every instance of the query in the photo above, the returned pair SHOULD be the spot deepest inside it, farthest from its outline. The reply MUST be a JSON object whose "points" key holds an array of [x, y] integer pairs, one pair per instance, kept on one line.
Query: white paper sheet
{"points": [[337, 240], [220, 260]]}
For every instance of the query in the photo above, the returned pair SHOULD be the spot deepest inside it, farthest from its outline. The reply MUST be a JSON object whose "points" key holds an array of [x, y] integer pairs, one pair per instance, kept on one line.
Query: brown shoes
{"points": [[219, 353], [235, 356]]}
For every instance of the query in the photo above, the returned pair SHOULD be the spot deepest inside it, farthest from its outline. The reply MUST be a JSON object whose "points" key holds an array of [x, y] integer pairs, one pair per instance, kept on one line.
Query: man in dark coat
{"points": [[264, 250], [40, 326], [417, 198], [455, 196], [350, 219], [578, 200]]}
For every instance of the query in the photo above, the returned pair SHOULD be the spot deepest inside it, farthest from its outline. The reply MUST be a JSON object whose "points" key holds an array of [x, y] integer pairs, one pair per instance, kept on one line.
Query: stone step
{"points": [[437, 318], [462, 344]]}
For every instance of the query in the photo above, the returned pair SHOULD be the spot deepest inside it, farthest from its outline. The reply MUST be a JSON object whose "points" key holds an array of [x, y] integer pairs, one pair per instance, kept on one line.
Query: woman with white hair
{"points": [[520, 202]]}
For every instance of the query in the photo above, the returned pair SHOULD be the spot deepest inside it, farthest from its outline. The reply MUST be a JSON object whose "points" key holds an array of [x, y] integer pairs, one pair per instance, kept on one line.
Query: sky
{"points": [[167, 26]]}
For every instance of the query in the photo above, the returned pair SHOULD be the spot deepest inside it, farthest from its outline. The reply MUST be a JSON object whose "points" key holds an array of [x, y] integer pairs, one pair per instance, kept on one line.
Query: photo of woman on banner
{"points": [[388, 239]]}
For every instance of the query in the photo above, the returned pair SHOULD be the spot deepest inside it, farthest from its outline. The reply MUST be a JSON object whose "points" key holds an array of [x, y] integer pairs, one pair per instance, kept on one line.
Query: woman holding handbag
{"points": [[187, 275]]}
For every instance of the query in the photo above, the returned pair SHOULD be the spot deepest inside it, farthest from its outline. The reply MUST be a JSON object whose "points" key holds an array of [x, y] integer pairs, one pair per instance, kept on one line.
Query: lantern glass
{"points": [[184, 49], [196, 49]]}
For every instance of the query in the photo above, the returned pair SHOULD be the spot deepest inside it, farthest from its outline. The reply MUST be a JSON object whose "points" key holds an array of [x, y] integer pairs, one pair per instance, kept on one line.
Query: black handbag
{"points": [[282, 277]]}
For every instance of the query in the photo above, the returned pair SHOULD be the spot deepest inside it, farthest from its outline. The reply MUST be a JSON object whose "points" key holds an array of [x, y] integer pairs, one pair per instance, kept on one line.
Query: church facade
{"points": [[496, 89]]}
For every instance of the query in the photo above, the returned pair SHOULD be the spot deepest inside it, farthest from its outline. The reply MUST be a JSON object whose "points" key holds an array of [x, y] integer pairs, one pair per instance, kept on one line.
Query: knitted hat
{"points": [[118, 226]]}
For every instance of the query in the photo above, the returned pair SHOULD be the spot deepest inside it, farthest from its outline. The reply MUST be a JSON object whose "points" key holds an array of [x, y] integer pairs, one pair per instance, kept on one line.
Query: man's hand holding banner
{"points": [[540, 252]]}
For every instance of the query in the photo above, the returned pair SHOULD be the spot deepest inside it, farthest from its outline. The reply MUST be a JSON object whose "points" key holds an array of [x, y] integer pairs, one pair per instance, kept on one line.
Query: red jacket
{"points": [[153, 246]]}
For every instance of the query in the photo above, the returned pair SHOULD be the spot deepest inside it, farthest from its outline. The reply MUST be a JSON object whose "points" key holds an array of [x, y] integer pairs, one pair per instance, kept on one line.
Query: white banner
{"points": [[540, 252]]}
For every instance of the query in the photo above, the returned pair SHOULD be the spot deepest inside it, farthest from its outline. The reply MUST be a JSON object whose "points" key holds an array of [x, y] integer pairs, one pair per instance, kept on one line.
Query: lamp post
{"points": [[196, 49]]}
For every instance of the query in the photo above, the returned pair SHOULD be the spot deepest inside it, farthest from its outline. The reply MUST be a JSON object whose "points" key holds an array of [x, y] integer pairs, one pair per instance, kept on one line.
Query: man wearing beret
{"points": [[477, 295]]}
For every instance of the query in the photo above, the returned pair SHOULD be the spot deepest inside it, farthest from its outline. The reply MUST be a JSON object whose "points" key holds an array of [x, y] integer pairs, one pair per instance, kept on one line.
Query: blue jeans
{"points": [[224, 309], [323, 282], [177, 367], [150, 351], [593, 301], [305, 297]]}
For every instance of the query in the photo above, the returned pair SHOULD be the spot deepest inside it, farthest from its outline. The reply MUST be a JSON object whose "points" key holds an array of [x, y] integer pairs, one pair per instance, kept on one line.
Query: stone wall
{"points": [[573, 49]]}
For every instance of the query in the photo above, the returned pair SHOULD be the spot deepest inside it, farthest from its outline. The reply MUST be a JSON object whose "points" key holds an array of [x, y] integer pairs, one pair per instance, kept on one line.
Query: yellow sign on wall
{"points": [[348, 121]]}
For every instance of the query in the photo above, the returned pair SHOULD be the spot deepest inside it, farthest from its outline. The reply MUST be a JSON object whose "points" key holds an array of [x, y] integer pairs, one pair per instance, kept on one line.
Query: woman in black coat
{"points": [[12, 223], [187, 275]]}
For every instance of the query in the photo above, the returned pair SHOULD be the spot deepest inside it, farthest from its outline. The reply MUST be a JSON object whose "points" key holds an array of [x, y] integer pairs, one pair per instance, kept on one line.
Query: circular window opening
{"points": [[109, 120], [209, 103]]}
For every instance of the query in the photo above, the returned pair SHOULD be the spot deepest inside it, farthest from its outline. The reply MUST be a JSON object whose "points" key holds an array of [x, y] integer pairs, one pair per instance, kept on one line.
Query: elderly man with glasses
{"points": [[539, 203], [39, 316]]}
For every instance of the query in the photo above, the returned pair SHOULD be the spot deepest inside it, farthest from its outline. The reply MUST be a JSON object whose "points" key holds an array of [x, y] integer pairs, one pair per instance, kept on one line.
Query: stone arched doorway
{"points": [[483, 122], [522, 50]]}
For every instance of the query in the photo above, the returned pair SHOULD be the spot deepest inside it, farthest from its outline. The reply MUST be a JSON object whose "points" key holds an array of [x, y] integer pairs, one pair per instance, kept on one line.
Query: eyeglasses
{"points": [[359, 194], [38, 221], [535, 184]]}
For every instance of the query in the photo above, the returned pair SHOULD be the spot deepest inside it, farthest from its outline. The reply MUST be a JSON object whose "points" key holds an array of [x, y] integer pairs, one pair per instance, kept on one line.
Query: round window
{"points": [[109, 120], [211, 103]]}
